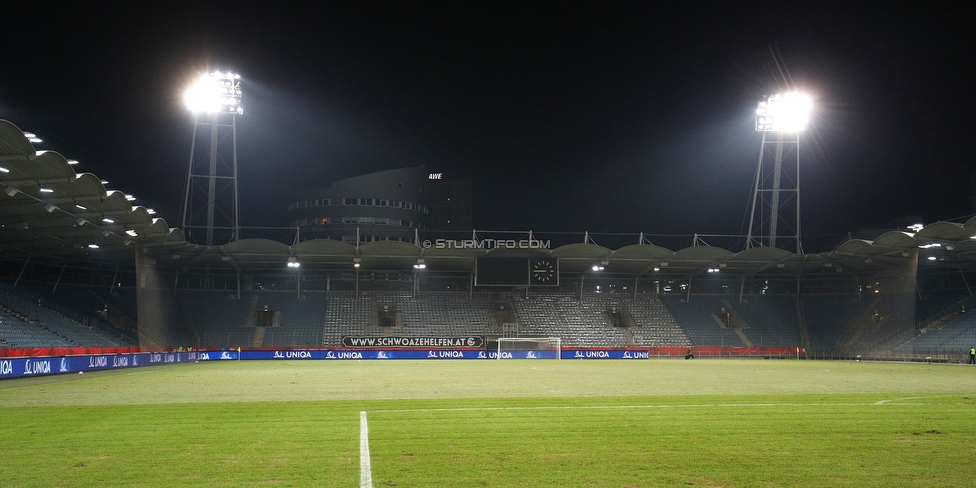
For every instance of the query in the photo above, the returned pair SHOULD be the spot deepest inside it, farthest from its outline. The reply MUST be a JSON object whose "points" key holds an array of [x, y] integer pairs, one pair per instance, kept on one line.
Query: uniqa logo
{"points": [[97, 362], [597, 354], [6, 367], [451, 354], [298, 354], [37, 367], [350, 355], [120, 361]]}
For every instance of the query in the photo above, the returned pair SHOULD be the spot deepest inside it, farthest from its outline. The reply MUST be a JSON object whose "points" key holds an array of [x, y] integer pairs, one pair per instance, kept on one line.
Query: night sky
{"points": [[601, 117]]}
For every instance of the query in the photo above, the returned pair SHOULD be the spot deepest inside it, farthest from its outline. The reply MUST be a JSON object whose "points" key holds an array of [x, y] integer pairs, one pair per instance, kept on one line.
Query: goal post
{"points": [[529, 348]]}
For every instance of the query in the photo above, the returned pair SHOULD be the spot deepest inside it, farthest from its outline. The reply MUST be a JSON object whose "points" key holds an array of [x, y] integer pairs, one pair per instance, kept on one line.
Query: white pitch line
{"points": [[607, 407], [365, 472], [882, 402]]}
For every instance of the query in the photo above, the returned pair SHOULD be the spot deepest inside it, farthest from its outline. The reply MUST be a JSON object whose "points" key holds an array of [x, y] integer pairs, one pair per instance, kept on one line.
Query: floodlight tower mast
{"points": [[776, 191], [210, 203]]}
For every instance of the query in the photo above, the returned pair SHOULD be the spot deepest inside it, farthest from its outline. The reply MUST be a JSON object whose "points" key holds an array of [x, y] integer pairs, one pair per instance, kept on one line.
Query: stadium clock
{"points": [[543, 271]]}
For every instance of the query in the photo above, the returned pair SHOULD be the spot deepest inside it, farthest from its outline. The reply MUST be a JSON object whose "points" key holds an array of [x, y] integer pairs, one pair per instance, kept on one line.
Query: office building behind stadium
{"points": [[392, 205]]}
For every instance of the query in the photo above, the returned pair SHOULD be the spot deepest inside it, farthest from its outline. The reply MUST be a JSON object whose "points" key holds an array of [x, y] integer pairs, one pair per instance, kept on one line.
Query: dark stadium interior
{"points": [[440, 170]]}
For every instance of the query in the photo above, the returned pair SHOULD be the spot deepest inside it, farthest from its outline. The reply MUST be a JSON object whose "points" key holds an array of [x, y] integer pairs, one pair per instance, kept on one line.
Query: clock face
{"points": [[544, 271]]}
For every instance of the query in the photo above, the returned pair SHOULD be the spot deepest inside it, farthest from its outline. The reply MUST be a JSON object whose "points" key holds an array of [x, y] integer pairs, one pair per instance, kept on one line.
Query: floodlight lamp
{"points": [[46, 190], [93, 246], [72, 162], [215, 93], [915, 227], [789, 112], [4, 170], [131, 233]]}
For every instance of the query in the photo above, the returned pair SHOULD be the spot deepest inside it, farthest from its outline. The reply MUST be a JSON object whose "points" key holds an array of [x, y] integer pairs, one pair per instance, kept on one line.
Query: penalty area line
{"points": [[365, 471]]}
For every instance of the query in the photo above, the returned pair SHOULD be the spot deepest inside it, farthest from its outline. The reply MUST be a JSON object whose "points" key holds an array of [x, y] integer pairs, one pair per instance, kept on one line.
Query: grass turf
{"points": [[495, 423]]}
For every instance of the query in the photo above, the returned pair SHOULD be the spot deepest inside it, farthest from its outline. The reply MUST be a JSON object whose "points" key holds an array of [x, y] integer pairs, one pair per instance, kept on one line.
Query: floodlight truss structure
{"points": [[774, 218], [211, 212]]}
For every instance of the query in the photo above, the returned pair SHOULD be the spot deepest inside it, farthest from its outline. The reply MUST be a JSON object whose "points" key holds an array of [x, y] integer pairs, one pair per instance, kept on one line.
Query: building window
{"points": [[384, 203], [349, 201], [408, 205], [398, 204]]}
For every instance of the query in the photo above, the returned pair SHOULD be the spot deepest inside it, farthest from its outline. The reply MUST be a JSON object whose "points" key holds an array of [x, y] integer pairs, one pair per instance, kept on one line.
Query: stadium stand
{"points": [[697, 317], [53, 326]]}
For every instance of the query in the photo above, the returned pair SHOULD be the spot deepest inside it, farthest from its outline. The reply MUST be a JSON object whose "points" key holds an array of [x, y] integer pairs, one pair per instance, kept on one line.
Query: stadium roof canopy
{"points": [[46, 209], [49, 210]]}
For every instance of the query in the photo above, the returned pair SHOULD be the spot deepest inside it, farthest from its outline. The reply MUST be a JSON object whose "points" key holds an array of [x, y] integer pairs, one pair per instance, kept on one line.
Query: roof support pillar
{"points": [[58, 282], [24, 267]]}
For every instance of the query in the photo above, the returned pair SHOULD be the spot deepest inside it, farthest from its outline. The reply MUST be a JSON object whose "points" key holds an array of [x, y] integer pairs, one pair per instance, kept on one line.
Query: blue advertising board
{"points": [[26, 367], [605, 354]]}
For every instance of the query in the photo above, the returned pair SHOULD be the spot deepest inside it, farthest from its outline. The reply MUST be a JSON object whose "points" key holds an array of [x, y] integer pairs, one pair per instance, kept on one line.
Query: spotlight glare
{"points": [[215, 93], [789, 112]]}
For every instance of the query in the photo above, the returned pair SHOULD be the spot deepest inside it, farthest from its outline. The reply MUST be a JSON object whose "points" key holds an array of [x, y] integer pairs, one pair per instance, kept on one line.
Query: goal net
{"points": [[529, 348]]}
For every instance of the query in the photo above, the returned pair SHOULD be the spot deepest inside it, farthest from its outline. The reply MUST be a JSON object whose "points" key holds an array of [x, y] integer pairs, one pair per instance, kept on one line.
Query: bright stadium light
{"points": [[215, 93], [780, 119], [784, 113], [210, 199]]}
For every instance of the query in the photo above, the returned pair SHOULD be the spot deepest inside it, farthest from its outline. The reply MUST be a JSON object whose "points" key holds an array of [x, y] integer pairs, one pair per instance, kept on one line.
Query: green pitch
{"points": [[465, 423]]}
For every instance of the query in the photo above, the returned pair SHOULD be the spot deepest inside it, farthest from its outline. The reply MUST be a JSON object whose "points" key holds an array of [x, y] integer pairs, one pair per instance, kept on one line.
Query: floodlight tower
{"points": [[215, 100], [776, 192]]}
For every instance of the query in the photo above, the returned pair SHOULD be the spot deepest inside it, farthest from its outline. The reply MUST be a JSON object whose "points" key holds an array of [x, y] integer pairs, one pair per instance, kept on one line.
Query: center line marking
{"points": [[365, 473]]}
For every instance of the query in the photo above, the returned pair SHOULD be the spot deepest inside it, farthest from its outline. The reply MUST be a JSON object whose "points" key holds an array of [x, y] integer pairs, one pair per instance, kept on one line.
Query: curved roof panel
{"points": [[763, 254], [894, 239], [256, 246], [943, 230], [704, 254], [389, 249], [330, 247], [452, 253], [856, 246], [581, 251], [641, 252], [13, 142]]}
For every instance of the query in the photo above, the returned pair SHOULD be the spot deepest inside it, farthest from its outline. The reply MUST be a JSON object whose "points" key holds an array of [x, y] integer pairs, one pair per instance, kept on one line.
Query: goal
{"points": [[529, 348]]}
